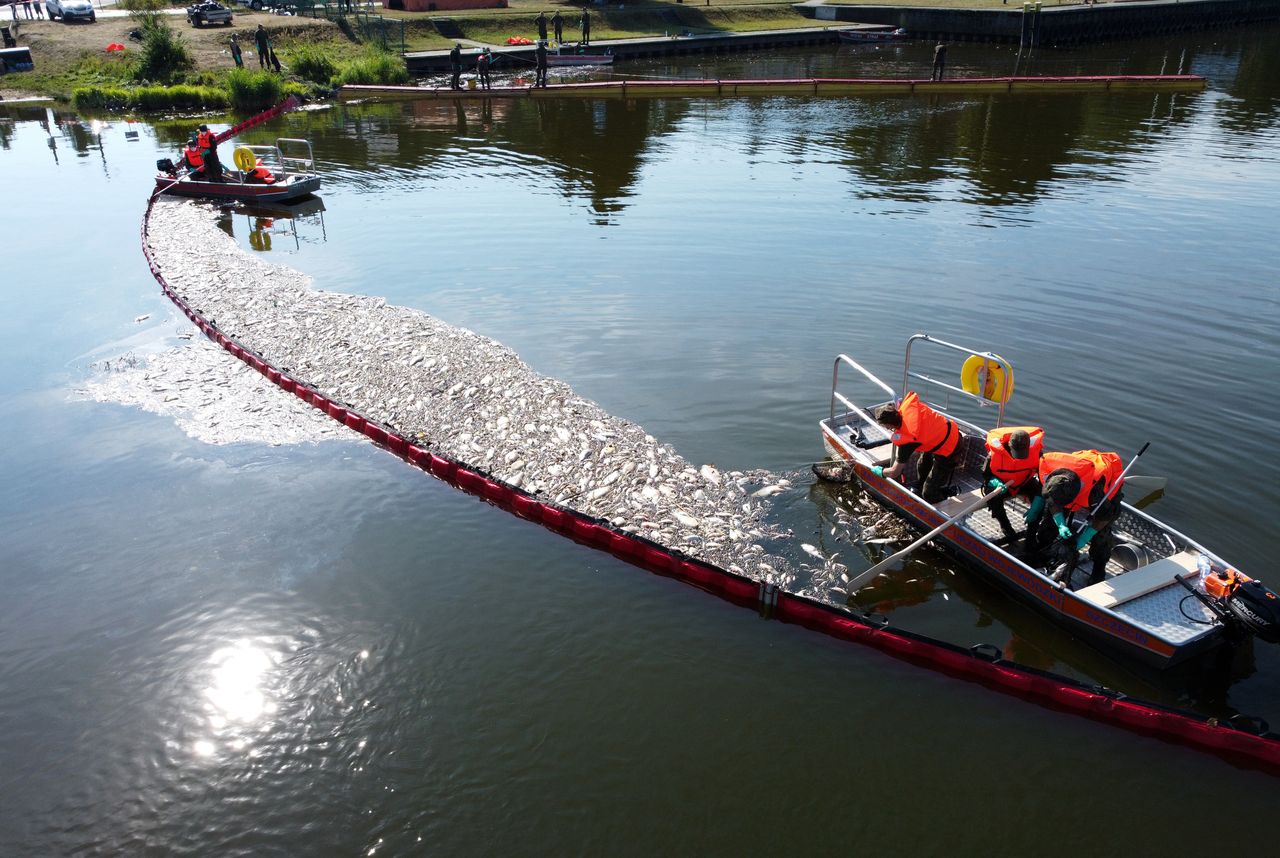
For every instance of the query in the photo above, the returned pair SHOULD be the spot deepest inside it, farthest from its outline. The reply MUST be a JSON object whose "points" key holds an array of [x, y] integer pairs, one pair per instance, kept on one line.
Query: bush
{"points": [[149, 99], [374, 67], [164, 53], [312, 63], [253, 90]]}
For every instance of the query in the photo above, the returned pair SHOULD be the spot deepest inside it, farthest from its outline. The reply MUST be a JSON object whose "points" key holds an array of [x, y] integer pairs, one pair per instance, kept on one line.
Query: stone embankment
{"points": [[469, 397]]}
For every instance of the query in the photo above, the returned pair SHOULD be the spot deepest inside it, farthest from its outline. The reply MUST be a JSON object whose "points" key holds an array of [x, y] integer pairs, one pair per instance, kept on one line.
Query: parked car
{"points": [[208, 12], [70, 10]]}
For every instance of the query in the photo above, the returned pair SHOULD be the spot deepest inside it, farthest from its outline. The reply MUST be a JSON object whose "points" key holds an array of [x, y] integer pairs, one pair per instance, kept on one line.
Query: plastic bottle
{"points": [[1205, 565]]}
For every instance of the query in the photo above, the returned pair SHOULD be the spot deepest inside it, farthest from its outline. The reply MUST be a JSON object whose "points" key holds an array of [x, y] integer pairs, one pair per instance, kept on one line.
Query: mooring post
{"points": [[1022, 36], [1035, 26]]}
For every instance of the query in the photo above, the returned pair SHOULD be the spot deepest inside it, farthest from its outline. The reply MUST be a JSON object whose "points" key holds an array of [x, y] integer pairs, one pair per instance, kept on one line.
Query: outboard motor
{"points": [[165, 165], [1257, 609]]}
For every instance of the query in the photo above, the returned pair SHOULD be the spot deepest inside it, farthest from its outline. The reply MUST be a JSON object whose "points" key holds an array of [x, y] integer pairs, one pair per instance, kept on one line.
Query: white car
{"points": [[69, 10]]}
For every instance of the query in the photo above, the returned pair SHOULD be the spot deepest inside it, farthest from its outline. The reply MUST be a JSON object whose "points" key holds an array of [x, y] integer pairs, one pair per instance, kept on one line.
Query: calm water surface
{"points": [[318, 650]]}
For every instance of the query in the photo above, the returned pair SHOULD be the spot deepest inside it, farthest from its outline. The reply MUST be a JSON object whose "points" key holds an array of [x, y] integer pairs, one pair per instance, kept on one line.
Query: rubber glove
{"points": [[1085, 535], [1063, 530], [877, 470], [994, 483], [1037, 504]]}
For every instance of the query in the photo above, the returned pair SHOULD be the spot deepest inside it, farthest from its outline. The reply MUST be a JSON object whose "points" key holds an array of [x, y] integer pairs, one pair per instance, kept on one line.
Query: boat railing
{"points": [[295, 153], [908, 374], [837, 396]]}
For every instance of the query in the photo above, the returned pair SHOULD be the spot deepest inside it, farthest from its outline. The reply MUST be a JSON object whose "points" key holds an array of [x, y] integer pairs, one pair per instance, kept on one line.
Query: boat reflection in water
{"points": [[266, 224]]}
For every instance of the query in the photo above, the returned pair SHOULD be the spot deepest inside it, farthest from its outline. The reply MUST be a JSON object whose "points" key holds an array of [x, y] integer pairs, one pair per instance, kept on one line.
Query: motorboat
{"points": [[873, 36], [1164, 597], [290, 162]]}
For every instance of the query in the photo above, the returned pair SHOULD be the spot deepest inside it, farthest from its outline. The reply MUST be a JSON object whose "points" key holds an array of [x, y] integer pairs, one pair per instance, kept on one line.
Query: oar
{"points": [[858, 580]]}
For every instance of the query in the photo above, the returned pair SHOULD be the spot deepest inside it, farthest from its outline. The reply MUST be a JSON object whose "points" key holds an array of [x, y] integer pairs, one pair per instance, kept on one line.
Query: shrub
{"points": [[374, 67], [253, 90], [164, 53], [312, 63]]}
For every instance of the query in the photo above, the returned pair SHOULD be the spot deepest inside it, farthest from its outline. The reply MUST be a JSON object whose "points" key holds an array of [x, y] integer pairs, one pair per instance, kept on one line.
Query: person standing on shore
{"points": [[557, 27], [586, 26], [541, 21], [261, 41], [236, 53], [939, 61], [455, 66], [482, 69], [39, 11], [540, 57]]}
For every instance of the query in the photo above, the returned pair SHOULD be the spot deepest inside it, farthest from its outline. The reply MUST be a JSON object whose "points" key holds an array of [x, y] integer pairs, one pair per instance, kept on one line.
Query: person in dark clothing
{"points": [[541, 21], [914, 426], [939, 61], [557, 27], [586, 27], [208, 143], [261, 42], [1076, 483], [540, 61], [1013, 459], [455, 64], [236, 54], [482, 69]]}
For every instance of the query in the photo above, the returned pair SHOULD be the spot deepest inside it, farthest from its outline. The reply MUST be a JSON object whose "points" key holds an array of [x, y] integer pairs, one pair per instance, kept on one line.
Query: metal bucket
{"points": [[1131, 556]]}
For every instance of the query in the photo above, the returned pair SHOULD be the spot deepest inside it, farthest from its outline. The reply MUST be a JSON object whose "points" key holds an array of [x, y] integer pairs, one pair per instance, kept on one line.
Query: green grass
{"points": [[373, 67], [149, 99], [253, 90]]}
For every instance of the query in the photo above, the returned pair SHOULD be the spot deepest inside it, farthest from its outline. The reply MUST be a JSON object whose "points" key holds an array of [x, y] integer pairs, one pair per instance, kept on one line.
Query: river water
{"points": [[312, 648]]}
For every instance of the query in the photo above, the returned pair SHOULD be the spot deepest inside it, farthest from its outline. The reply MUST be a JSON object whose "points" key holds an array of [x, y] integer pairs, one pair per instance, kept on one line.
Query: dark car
{"points": [[208, 12]]}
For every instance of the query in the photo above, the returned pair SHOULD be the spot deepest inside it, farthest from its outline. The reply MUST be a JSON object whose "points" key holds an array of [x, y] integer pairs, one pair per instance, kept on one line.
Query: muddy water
{"points": [[236, 648]]}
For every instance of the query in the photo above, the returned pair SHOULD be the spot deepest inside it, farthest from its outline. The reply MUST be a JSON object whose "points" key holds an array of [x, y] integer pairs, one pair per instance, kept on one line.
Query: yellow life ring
{"points": [[244, 158], [997, 387]]}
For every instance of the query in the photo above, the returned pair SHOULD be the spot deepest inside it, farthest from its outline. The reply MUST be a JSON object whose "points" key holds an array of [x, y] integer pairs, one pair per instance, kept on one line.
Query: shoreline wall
{"points": [[1055, 25]]}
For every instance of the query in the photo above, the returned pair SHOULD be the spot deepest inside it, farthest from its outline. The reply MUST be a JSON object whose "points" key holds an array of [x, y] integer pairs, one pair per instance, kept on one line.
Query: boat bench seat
{"points": [[1139, 582]]}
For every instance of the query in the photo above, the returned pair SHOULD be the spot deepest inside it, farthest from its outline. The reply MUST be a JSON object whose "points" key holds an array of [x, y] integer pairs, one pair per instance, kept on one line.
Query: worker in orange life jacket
{"points": [[207, 142], [1013, 459], [1076, 484], [914, 426], [191, 157]]}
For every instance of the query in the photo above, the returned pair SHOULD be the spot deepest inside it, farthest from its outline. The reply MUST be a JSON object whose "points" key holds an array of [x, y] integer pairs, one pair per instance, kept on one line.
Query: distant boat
{"points": [[869, 36], [566, 55]]}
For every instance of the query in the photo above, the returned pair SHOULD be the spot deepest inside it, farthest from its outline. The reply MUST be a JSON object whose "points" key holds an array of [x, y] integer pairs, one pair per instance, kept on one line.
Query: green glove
{"points": [[1037, 504], [994, 483], [1085, 535], [877, 470], [1063, 530]]}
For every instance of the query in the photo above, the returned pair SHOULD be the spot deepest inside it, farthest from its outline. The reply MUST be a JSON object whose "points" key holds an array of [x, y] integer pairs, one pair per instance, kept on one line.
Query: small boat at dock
{"points": [[290, 162], [873, 36], [569, 55], [1151, 604]]}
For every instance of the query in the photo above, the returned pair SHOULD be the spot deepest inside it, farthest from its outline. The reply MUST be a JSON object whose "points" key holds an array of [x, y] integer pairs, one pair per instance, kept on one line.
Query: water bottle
{"points": [[1205, 565]]}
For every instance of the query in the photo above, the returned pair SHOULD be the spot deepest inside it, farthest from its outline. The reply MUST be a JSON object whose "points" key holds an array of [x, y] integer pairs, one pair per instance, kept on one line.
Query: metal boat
{"points": [[1151, 603], [569, 55], [866, 36], [290, 161]]}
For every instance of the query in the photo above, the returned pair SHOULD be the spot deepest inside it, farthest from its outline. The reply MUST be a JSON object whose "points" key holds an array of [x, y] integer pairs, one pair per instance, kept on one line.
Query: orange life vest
{"points": [[194, 160], [262, 174], [1003, 465], [926, 427], [205, 140], [1090, 466]]}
